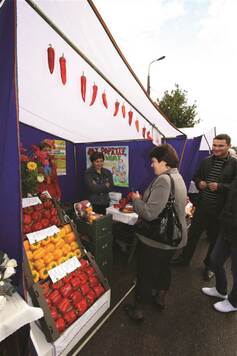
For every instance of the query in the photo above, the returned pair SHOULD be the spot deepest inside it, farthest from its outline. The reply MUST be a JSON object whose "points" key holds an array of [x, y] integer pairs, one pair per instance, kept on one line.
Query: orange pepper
{"points": [[77, 253], [35, 245], [39, 264], [70, 255], [55, 238], [35, 276], [62, 260], [43, 273], [51, 265], [39, 253], [26, 245], [70, 237], [45, 241], [60, 243], [61, 233], [67, 228], [50, 247], [48, 258], [57, 254], [74, 245], [29, 255], [66, 248]]}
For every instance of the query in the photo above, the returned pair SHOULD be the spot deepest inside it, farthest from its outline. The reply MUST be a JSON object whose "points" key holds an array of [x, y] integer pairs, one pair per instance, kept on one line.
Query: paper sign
{"points": [[42, 234], [30, 201], [63, 269]]}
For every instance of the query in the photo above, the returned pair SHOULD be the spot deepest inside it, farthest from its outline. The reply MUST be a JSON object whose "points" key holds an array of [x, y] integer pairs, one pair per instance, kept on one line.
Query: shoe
{"points": [[159, 300], [224, 307], [179, 261], [212, 292], [208, 274], [134, 312]]}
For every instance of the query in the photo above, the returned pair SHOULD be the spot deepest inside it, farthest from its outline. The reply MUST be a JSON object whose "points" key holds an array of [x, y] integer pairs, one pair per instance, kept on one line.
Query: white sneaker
{"points": [[212, 292], [224, 306]]}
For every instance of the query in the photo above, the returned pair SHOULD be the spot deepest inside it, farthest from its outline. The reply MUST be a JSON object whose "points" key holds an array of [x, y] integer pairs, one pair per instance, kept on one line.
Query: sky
{"points": [[199, 40]]}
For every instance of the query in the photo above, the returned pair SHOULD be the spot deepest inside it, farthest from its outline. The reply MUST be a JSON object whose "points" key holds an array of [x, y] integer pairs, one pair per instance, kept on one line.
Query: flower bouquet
{"points": [[7, 269]]}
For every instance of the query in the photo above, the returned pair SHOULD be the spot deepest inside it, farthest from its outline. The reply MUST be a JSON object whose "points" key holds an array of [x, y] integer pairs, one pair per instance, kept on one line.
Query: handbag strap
{"points": [[172, 189]]}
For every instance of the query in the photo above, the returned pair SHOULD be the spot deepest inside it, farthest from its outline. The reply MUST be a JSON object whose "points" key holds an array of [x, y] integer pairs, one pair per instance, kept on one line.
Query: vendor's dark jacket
{"points": [[229, 172], [228, 216], [97, 191]]}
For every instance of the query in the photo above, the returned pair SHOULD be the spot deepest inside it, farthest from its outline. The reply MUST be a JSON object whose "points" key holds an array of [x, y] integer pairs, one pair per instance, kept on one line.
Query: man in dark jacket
{"points": [[226, 247], [213, 179]]}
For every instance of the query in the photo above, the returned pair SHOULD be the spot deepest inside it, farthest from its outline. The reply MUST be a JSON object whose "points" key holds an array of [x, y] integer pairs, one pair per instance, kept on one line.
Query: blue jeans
{"points": [[222, 251]]}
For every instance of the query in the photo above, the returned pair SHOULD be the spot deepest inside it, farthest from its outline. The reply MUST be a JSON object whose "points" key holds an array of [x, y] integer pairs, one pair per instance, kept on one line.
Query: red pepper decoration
{"points": [[104, 99], [51, 58], [144, 132], [83, 87], [62, 62], [148, 135], [137, 125], [116, 107], [130, 115], [123, 111], [94, 94]]}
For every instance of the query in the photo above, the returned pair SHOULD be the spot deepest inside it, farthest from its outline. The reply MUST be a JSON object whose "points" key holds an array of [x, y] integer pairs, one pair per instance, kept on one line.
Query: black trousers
{"points": [[203, 220], [153, 271], [222, 251], [100, 209]]}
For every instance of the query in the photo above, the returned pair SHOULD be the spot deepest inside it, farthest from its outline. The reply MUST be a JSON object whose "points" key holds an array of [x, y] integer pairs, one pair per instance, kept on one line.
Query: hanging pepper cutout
{"points": [[148, 135], [144, 132], [130, 115], [104, 99], [116, 107], [137, 125], [94, 94], [83, 87], [123, 111], [51, 58], [62, 62]]}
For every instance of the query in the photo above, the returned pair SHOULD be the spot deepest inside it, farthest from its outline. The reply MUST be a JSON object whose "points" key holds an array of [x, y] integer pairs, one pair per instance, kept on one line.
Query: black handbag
{"points": [[166, 228]]}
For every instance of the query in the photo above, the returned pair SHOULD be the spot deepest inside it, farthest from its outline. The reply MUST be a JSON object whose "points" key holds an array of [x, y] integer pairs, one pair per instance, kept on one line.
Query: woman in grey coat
{"points": [[153, 271]]}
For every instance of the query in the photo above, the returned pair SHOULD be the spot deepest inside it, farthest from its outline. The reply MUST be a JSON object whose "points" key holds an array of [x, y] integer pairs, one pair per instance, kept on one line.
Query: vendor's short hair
{"points": [[96, 155], [223, 137], [165, 153]]}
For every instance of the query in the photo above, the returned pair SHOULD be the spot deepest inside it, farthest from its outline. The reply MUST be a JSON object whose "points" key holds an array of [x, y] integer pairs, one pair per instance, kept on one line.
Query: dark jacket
{"points": [[229, 172], [97, 191], [229, 214]]}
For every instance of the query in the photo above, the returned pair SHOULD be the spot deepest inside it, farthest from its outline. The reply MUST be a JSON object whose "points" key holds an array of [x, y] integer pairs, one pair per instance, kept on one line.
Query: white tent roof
{"points": [[207, 136], [47, 104]]}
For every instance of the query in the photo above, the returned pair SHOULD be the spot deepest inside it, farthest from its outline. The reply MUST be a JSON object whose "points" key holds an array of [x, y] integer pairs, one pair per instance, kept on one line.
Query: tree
{"points": [[174, 106]]}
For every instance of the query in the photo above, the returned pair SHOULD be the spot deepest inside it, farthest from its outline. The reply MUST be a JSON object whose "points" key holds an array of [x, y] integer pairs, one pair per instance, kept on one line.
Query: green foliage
{"points": [[174, 106]]}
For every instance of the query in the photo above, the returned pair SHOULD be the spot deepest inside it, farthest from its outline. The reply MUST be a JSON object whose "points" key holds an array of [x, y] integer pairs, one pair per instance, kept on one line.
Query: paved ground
{"points": [[188, 327]]}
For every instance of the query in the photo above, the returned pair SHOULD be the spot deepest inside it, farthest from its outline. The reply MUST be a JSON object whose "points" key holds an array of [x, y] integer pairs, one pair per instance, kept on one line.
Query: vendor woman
{"points": [[99, 182]]}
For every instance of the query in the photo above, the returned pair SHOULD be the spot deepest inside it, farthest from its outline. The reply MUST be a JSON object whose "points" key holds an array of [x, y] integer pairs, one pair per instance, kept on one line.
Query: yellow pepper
{"points": [[29, 255], [43, 273], [74, 245], [35, 246], [46, 241], [26, 245], [77, 253], [48, 258], [39, 253], [35, 276], [66, 249], [67, 228], [50, 247], [60, 243], [39, 264], [51, 265]]}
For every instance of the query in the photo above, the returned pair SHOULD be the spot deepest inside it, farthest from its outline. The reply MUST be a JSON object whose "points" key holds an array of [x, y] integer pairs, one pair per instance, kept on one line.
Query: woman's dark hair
{"points": [[165, 153], [96, 155], [223, 137]]}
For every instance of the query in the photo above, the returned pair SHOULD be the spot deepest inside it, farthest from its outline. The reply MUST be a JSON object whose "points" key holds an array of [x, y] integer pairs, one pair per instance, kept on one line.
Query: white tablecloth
{"points": [[126, 218], [16, 314]]}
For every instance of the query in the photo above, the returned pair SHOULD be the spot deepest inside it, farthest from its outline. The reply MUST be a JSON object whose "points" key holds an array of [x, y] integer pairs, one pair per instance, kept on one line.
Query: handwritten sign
{"points": [[42, 234], [63, 269]]}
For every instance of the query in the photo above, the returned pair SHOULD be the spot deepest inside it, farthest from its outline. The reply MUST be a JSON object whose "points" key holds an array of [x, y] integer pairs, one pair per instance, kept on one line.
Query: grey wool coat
{"points": [[159, 190]]}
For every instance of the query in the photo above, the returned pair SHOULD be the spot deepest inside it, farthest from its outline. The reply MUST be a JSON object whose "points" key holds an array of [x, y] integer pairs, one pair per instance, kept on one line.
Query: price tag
{"points": [[42, 234], [63, 269], [30, 201]]}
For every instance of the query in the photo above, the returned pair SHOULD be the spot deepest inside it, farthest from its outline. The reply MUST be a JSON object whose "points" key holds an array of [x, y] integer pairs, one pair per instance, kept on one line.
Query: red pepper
{"points": [[38, 207], [64, 305], [76, 297], [148, 135], [53, 212], [94, 94], [90, 297], [63, 71], [82, 306], [48, 204], [66, 290], [99, 290], [55, 297], [76, 282], [116, 107], [104, 99], [57, 285], [84, 289], [83, 263], [83, 87], [144, 132], [123, 111], [48, 301], [137, 125], [90, 270], [83, 277], [70, 316], [60, 324], [130, 115], [51, 58], [93, 281], [67, 278], [54, 313]]}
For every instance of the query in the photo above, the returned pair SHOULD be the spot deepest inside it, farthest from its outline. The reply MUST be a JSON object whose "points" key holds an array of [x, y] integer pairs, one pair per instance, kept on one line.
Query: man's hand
{"points": [[213, 186], [202, 185]]}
